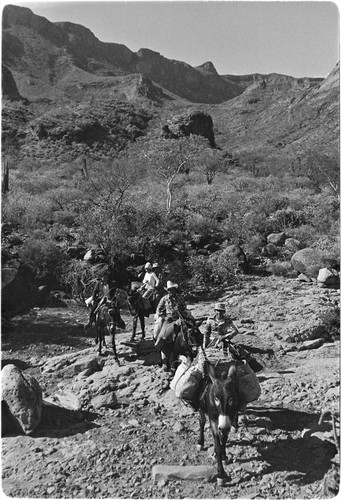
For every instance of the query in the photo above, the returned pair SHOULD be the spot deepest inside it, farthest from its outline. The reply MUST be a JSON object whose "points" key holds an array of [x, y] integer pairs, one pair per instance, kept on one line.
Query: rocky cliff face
{"points": [[49, 52], [196, 122], [184, 80], [9, 87]]}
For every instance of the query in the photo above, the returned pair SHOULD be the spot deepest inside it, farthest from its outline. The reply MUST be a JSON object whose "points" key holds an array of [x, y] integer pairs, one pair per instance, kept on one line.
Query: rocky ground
{"points": [[105, 427]]}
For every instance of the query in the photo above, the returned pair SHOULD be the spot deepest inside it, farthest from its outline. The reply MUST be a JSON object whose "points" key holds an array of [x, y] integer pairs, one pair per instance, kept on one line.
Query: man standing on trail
{"points": [[219, 328], [171, 307]]}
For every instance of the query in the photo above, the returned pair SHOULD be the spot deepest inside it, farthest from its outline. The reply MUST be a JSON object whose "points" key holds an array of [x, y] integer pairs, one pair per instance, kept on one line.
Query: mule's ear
{"points": [[211, 372], [232, 371]]}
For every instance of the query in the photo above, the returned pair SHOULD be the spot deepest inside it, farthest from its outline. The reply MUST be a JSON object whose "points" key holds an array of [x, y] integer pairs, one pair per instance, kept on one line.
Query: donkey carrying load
{"points": [[217, 392]]}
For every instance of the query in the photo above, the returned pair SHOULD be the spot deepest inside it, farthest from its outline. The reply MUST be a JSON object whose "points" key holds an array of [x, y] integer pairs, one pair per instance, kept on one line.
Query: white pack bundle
{"points": [[186, 381]]}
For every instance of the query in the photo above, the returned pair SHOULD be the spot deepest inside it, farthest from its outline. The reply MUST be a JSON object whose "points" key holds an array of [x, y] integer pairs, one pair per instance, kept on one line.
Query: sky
{"points": [[296, 38]]}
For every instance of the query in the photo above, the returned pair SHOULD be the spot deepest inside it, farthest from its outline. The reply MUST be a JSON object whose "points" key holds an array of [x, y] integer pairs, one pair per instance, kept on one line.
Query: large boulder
{"points": [[23, 397], [277, 239], [18, 289], [307, 261], [8, 274], [236, 255]]}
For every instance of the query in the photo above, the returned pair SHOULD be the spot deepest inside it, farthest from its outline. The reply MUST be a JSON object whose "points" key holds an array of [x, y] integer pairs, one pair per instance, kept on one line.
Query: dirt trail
{"points": [[281, 452]]}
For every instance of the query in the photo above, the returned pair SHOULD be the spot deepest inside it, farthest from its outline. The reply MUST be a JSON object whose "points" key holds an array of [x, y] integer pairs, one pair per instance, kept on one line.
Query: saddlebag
{"points": [[187, 383], [247, 381], [248, 384]]}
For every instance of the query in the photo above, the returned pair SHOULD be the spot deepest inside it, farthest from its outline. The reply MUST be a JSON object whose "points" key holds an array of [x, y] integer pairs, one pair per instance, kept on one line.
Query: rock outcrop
{"points": [[23, 397], [9, 87], [196, 122]]}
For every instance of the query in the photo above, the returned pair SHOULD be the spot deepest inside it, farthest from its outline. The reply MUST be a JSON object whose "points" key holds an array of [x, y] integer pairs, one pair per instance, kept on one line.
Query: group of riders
{"points": [[168, 305]]}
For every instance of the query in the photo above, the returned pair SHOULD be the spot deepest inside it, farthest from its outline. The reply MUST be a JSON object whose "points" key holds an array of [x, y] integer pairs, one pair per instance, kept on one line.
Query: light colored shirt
{"points": [[215, 329], [151, 279]]}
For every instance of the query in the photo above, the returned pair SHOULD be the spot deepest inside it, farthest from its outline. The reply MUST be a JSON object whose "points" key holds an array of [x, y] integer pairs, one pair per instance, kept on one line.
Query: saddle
{"points": [[169, 331]]}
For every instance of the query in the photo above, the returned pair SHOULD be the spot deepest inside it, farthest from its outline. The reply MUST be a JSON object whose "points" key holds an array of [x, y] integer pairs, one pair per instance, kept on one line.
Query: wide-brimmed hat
{"points": [[148, 265], [220, 307], [155, 265], [171, 285]]}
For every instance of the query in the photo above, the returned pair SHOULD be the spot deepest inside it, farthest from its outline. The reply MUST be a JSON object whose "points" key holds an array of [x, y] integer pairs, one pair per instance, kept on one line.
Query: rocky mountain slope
{"points": [[55, 66], [54, 57], [282, 114]]}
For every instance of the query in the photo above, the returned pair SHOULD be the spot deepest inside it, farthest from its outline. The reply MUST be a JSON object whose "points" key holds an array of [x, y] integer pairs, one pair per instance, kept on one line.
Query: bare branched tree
{"points": [[173, 157]]}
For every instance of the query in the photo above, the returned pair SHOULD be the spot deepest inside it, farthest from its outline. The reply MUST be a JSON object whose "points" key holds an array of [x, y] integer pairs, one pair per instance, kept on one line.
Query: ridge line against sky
{"points": [[296, 38]]}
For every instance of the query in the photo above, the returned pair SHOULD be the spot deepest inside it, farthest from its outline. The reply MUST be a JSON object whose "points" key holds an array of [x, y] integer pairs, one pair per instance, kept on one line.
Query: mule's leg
{"points": [[170, 361], [223, 449], [164, 361], [141, 316], [113, 343], [219, 447], [99, 340], [201, 440], [135, 318]]}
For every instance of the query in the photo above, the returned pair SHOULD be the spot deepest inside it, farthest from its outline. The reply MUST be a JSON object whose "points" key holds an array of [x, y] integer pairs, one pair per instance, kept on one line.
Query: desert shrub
{"points": [[330, 319], [204, 226], [286, 218], [200, 270], [65, 217], [42, 256], [29, 165], [78, 278], [281, 269], [254, 244], [305, 234], [14, 207], [176, 237], [223, 267], [322, 211], [26, 211]]}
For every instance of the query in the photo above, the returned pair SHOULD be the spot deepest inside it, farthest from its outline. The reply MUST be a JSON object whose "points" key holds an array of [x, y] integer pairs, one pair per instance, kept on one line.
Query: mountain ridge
{"points": [[72, 45], [64, 64]]}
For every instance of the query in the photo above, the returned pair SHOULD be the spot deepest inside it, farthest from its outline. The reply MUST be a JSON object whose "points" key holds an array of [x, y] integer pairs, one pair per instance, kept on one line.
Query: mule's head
{"points": [[223, 398], [195, 337], [120, 298], [111, 321]]}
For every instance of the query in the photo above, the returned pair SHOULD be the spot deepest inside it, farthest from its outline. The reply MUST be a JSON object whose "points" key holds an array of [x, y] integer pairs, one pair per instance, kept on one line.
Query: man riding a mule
{"points": [[171, 308], [150, 283], [160, 287], [219, 328], [104, 291]]}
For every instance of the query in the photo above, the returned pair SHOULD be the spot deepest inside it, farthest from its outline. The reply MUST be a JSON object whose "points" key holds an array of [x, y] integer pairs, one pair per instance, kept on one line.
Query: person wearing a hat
{"points": [[103, 290], [160, 287], [150, 280], [219, 328], [173, 307]]}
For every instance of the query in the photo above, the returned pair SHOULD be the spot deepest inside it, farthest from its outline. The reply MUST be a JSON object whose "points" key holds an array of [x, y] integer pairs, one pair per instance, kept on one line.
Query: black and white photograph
{"points": [[170, 250]]}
